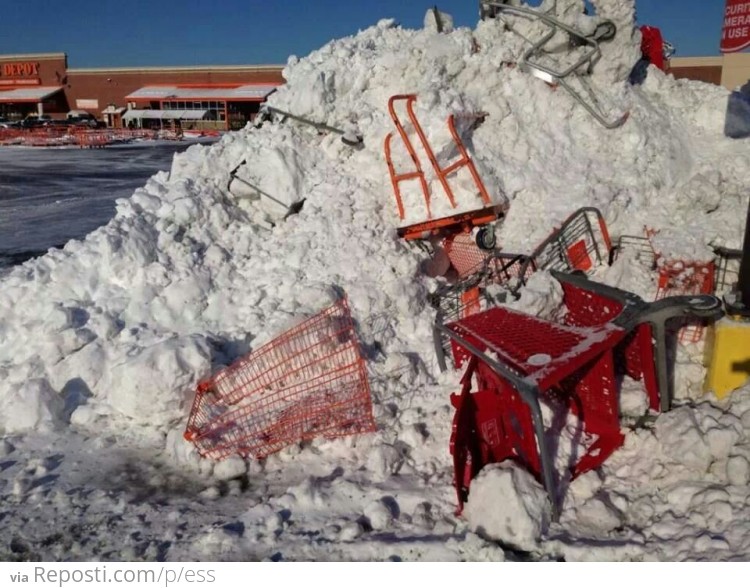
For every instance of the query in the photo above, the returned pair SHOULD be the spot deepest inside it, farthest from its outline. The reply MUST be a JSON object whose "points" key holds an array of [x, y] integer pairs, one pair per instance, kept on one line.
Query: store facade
{"points": [[730, 70], [218, 97], [201, 97]]}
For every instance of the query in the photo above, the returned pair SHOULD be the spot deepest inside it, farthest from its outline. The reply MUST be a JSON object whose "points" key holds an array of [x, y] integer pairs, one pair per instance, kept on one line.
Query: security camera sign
{"points": [[735, 35]]}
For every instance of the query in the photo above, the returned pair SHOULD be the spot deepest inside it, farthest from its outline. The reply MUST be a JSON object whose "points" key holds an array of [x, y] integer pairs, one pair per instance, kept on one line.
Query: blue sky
{"points": [[185, 32]]}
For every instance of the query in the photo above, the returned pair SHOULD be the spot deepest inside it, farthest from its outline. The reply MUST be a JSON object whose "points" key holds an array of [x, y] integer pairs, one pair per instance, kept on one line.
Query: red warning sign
{"points": [[735, 35]]}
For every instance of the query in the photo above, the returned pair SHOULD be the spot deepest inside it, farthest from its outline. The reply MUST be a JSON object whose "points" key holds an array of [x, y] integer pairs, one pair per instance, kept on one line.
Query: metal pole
{"points": [[743, 282], [547, 467], [661, 361]]}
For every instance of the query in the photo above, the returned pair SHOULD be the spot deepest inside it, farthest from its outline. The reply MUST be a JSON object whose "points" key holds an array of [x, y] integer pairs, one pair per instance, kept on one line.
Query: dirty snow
{"points": [[103, 342]]}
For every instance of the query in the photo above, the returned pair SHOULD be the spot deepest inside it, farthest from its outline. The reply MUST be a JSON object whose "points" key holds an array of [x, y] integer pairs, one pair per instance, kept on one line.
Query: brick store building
{"points": [[730, 70], [202, 97], [219, 97]]}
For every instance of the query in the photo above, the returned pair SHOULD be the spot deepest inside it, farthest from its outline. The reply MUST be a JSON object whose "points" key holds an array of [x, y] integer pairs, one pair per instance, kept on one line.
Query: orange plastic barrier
{"points": [[57, 136]]}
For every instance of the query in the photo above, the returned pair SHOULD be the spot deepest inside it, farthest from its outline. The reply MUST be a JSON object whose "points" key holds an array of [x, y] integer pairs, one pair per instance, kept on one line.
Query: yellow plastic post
{"points": [[728, 356]]}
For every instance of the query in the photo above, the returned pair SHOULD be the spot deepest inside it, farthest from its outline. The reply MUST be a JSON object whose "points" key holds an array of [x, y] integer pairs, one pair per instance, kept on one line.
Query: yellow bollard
{"points": [[727, 355]]}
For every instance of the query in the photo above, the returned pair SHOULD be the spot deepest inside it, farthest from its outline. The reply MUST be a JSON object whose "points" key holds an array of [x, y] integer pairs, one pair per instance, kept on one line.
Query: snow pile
{"points": [[542, 296], [111, 335], [676, 491], [507, 504], [33, 405]]}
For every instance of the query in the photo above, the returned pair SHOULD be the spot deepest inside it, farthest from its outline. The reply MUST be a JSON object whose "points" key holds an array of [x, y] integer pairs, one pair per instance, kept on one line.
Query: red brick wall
{"points": [[709, 74], [112, 87]]}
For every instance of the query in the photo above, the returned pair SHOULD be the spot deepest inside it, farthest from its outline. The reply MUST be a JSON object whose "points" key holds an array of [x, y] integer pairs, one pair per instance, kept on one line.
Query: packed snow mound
{"points": [[675, 492], [508, 505], [120, 326], [33, 405]]}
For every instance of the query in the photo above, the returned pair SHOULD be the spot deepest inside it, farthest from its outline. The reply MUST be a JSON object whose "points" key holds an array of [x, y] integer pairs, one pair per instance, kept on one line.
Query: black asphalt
{"points": [[49, 196]]}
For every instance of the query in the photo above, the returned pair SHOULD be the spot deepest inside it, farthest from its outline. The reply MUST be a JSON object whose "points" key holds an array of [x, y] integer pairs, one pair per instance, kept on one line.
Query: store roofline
{"points": [[174, 69], [688, 61], [145, 68], [34, 56]]}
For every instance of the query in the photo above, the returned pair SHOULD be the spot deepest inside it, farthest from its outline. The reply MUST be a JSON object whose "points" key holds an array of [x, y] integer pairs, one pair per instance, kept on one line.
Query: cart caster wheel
{"points": [[485, 238]]}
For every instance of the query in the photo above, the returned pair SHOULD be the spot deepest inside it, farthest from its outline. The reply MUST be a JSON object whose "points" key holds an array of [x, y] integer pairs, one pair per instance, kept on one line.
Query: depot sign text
{"points": [[24, 69]]}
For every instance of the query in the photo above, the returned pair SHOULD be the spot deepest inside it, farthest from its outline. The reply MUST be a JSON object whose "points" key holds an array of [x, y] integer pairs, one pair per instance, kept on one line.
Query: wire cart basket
{"points": [[309, 382]]}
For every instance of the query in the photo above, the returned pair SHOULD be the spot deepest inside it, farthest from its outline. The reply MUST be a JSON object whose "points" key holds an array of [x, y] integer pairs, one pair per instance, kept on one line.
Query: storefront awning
{"points": [[257, 92], [164, 114], [35, 94]]}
